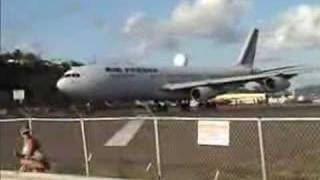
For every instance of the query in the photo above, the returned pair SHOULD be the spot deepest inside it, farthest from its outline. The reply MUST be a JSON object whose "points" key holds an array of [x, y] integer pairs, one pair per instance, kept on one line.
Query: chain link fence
{"points": [[283, 148]]}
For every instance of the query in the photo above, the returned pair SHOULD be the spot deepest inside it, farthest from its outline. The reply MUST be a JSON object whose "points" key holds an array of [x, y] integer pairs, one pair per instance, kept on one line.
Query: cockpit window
{"points": [[73, 75], [76, 75]]}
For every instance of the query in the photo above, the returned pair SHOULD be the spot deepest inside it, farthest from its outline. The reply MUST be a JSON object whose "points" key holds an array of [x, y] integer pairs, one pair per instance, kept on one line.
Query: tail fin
{"points": [[248, 52]]}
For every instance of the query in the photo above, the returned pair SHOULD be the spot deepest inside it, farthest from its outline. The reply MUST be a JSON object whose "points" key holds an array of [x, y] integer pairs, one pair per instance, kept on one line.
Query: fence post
{"points": [[262, 152], [26, 115], [85, 147], [30, 124], [156, 136]]}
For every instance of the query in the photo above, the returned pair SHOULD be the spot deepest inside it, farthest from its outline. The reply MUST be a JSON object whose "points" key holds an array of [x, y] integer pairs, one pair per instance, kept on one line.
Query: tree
{"points": [[17, 54], [31, 57]]}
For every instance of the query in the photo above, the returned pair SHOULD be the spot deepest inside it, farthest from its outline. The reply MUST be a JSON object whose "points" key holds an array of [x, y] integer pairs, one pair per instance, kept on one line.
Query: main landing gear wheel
{"points": [[160, 107], [185, 105]]}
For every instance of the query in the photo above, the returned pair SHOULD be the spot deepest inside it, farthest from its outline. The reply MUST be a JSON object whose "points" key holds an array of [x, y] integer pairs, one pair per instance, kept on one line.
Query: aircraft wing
{"points": [[286, 72]]}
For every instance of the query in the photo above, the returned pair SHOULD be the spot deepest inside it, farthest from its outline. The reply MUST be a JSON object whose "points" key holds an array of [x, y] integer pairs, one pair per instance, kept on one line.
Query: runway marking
{"points": [[125, 134], [90, 157], [216, 177], [148, 167]]}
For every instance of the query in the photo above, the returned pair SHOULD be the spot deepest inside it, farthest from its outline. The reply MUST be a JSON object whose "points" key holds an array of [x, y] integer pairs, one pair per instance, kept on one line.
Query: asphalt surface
{"points": [[292, 148], [286, 110]]}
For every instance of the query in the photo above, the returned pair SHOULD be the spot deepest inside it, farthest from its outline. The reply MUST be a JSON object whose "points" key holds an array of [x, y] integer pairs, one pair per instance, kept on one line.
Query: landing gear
{"points": [[185, 105], [212, 105], [208, 105], [160, 107]]}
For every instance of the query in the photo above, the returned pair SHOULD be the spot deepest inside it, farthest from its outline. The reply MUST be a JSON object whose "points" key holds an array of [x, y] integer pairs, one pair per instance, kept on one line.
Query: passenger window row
{"points": [[131, 70]]}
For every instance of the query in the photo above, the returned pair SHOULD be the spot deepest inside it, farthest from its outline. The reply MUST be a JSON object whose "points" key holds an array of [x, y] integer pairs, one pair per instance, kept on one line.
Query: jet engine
{"points": [[276, 84], [254, 87], [201, 94]]}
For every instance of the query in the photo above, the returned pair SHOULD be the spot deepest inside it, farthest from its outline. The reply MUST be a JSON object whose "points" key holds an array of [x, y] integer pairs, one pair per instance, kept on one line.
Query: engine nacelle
{"points": [[254, 87], [202, 94], [276, 84]]}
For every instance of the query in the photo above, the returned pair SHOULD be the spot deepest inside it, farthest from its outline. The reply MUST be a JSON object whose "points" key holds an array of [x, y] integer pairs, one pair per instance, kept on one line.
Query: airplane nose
{"points": [[60, 85], [68, 88]]}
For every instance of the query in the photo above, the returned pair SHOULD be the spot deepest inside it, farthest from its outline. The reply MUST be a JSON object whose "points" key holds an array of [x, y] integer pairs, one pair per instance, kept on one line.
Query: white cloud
{"points": [[297, 28], [149, 33], [138, 25], [208, 18], [214, 19]]}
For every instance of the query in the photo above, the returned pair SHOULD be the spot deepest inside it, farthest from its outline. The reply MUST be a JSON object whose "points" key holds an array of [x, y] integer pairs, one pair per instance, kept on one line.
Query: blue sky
{"points": [[88, 30]]}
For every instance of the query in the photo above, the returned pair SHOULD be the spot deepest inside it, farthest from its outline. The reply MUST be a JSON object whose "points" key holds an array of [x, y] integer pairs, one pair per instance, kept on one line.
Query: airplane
{"points": [[94, 83]]}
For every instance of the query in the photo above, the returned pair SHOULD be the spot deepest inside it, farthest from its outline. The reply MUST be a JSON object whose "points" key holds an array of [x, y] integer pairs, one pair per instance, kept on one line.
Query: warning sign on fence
{"points": [[214, 133], [18, 94]]}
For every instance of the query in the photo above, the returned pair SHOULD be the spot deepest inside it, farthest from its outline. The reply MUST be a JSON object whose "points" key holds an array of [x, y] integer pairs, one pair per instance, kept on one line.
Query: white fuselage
{"points": [[128, 83]]}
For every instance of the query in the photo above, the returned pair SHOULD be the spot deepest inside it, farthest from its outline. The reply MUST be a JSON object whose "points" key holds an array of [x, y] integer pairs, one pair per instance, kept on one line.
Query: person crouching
{"points": [[31, 158]]}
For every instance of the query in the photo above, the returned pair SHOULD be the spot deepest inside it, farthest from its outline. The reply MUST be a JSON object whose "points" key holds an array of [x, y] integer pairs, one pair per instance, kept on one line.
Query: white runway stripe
{"points": [[125, 134]]}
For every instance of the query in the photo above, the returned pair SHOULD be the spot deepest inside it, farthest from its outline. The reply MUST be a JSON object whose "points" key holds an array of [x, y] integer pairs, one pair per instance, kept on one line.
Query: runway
{"points": [[292, 151], [286, 110]]}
